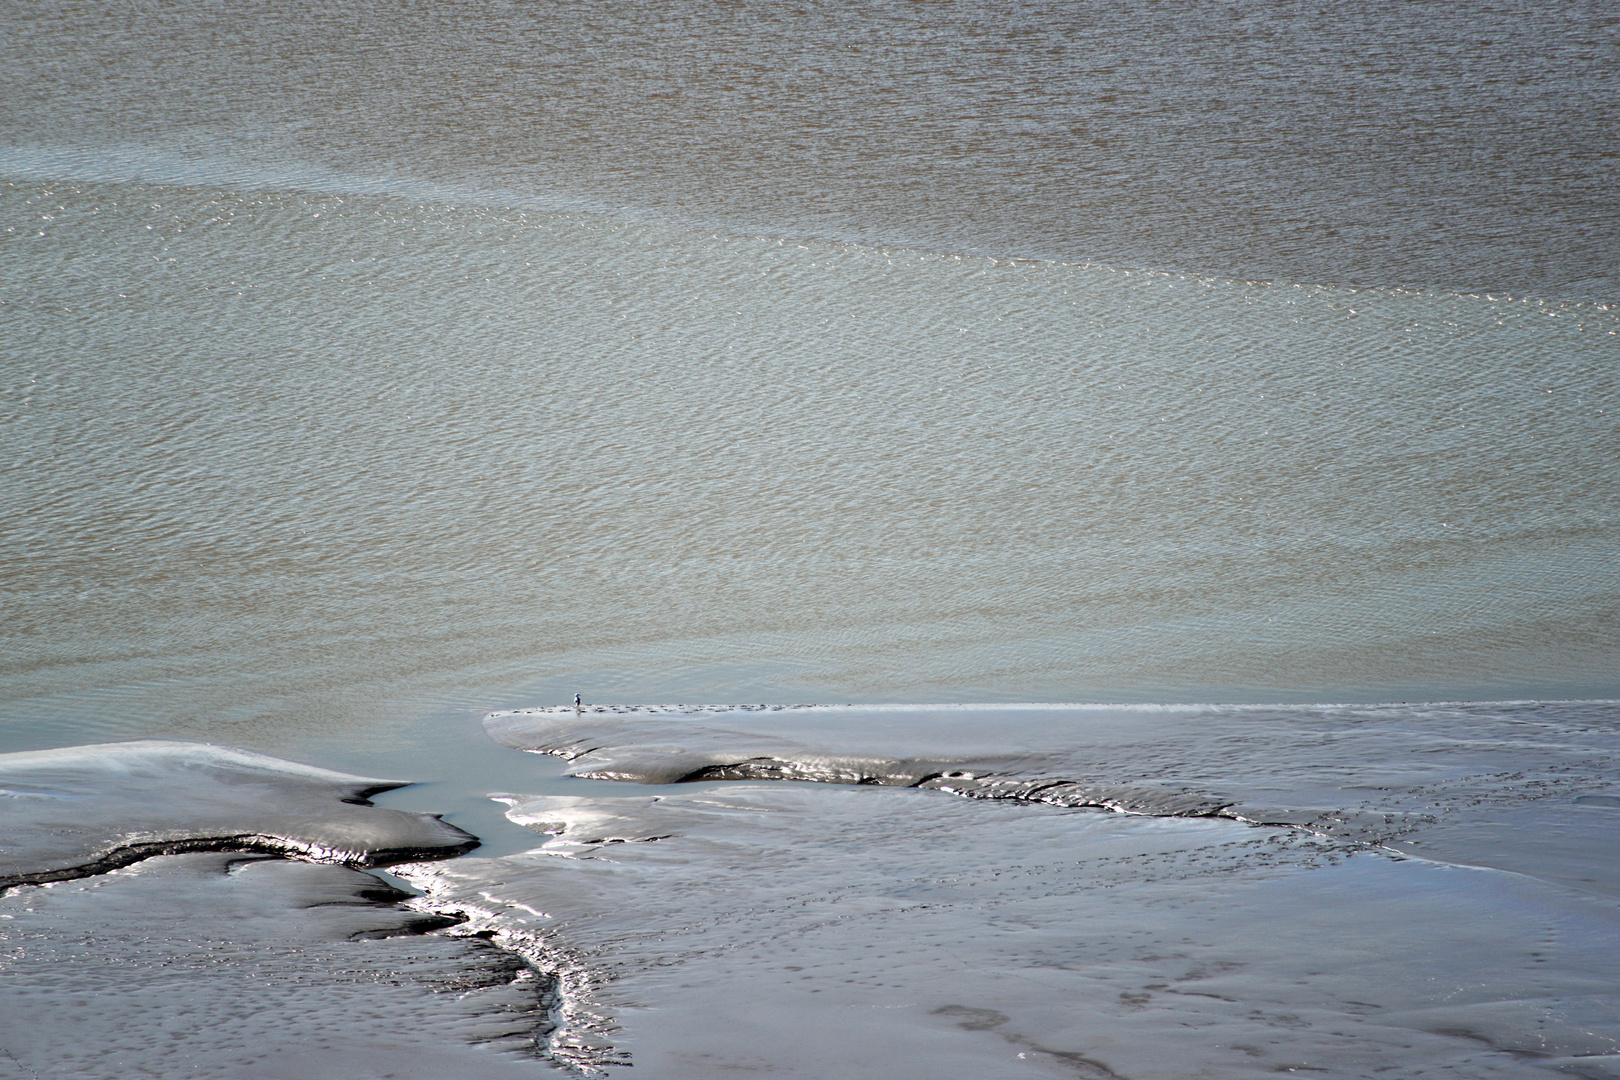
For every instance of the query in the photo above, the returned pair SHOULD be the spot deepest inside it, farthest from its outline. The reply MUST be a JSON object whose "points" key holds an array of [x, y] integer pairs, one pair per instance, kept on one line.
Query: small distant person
{"points": [[576, 702]]}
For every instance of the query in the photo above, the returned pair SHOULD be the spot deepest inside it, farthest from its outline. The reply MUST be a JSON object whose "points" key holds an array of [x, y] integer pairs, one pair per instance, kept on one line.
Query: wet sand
{"points": [[923, 891]]}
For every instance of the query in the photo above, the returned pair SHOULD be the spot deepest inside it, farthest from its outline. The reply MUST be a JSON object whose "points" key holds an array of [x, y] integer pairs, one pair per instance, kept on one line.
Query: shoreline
{"points": [[601, 904]]}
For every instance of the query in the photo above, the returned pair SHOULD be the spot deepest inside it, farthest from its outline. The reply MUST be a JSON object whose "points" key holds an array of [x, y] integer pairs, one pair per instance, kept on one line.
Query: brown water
{"points": [[1437, 145]]}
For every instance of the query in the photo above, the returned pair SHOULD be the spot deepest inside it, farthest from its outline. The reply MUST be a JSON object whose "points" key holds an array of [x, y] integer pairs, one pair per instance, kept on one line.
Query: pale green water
{"points": [[280, 464]]}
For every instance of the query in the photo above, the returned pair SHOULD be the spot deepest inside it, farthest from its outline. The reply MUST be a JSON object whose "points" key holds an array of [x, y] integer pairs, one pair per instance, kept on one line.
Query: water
{"points": [[364, 369], [364, 363], [1458, 148], [281, 463]]}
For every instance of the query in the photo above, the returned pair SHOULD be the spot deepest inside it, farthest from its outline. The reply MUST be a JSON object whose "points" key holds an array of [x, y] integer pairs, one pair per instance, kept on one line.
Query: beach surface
{"points": [[1103, 891]]}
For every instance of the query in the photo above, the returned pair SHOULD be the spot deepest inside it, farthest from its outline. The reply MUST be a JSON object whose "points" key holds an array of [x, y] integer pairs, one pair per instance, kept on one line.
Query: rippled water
{"points": [[276, 454], [364, 368], [361, 361], [1435, 145]]}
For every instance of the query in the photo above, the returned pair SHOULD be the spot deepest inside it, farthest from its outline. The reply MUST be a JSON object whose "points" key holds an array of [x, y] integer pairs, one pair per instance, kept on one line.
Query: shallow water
{"points": [[361, 365], [365, 368], [283, 464]]}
